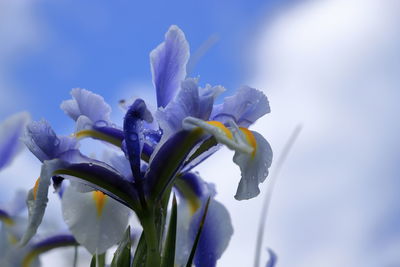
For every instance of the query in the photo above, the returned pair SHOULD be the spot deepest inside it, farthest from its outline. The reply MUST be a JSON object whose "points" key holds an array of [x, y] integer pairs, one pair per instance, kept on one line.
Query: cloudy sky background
{"points": [[332, 66]]}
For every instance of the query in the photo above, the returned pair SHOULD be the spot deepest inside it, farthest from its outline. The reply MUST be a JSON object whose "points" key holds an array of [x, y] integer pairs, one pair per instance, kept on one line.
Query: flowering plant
{"points": [[148, 169]]}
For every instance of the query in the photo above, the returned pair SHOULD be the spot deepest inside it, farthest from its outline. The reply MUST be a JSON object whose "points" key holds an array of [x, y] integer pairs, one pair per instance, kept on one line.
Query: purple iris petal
{"points": [[133, 131], [103, 178], [10, 132], [168, 65], [88, 104], [191, 101], [193, 183], [217, 229], [215, 236], [44, 143], [245, 107], [54, 241]]}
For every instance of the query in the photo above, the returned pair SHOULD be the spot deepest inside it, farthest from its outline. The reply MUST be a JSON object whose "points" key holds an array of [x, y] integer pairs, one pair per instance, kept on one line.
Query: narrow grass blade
{"points": [[139, 258], [196, 241], [122, 256], [268, 194], [169, 247]]}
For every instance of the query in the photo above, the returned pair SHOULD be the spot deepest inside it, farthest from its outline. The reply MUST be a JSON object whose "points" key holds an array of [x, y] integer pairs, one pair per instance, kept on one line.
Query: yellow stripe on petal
{"points": [[222, 127], [35, 188], [251, 139], [100, 200], [98, 135], [7, 220]]}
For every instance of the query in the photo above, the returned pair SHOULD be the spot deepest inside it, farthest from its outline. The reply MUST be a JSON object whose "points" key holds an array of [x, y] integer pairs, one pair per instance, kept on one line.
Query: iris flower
{"points": [[155, 161]]}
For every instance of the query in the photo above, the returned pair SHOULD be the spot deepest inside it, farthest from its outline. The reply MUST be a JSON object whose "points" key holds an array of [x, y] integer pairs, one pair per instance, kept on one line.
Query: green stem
{"points": [[153, 257]]}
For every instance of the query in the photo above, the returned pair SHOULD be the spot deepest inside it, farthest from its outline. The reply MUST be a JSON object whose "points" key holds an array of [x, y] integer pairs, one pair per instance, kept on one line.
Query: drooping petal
{"points": [[215, 236], [191, 100], [10, 132], [244, 108], [85, 103], [133, 132], [44, 245], [253, 154], [37, 198], [96, 220], [254, 167], [168, 65], [44, 143], [217, 229]]}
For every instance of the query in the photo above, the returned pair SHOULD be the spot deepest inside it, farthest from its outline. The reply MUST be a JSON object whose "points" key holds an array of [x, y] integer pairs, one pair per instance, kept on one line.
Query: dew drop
{"points": [[101, 123], [56, 141], [133, 137]]}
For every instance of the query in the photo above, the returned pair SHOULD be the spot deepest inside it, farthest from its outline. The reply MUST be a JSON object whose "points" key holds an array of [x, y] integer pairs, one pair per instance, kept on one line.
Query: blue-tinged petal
{"points": [[168, 65], [44, 245], [191, 100], [88, 104], [96, 220], [272, 258], [10, 132], [193, 193], [44, 143], [16, 205], [133, 132], [254, 167], [215, 236], [244, 108]]}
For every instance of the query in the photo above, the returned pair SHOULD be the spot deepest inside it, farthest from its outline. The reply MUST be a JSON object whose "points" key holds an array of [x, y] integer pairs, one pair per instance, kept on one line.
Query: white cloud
{"points": [[332, 66]]}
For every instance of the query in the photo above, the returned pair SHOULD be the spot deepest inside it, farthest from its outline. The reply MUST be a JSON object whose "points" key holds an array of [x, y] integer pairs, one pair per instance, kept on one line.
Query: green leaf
{"points": [[196, 241], [168, 258], [206, 145], [122, 256], [139, 258], [98, 260], [174, 151]]}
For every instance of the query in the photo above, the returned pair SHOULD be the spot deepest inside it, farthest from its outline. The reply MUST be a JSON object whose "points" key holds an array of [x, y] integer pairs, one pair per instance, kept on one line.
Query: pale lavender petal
{"points": [[120, 163], [10, 132], [191, 100], [168, 65], [245, 107], [44, 143], [86, 103], [254, 169]]}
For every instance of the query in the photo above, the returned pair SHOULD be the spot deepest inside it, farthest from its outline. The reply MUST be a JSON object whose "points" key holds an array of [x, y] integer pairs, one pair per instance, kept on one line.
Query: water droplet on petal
{"points": [[133, 137], [101, 123], [56, 142]]}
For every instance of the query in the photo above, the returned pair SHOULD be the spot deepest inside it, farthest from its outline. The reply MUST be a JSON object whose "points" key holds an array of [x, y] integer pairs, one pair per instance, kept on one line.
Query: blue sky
{"points": [[331, 65], [103, 46]]}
